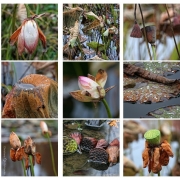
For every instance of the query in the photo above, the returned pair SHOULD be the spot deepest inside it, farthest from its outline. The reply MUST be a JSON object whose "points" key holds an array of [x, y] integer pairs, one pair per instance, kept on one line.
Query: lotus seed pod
{"points": [[34, 96], [153, 136]]}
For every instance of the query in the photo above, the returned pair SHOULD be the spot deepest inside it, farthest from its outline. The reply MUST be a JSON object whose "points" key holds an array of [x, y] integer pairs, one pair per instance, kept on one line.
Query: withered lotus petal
{"points": [[102, 143], [14, 141], [113, 152], [101, 77], [29, 146], [115, 142], [19, 154], [77, 136], [156, 167], [166, 147], [150, 165], [81, 97], [38, 158], [145, 156], [164, 158], [35, 96], [12, 154]]}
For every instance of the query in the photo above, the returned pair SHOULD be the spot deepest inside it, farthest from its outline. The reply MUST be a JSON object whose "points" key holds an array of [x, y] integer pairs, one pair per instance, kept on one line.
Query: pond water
{"points": [[141, 110], [76, 164]]}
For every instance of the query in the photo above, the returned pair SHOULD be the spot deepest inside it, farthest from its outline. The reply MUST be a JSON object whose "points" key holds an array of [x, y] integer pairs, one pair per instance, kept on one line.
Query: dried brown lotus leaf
{"points": [[12, 154], [164, 158], [166, 147], [14, 141], [145, 156], [156, 167]]}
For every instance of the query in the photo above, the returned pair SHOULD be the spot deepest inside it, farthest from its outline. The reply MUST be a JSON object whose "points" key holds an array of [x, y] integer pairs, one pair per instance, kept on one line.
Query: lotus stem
{"points": [[32, 167], [27, 10], [172, 31], [154, 51], [52, 154], [107, 108], [145, 35], [24, 169], [159, 173]]}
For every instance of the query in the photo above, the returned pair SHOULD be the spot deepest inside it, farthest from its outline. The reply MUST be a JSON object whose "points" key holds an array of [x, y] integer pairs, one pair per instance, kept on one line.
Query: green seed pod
{"points": [[153, 136]]}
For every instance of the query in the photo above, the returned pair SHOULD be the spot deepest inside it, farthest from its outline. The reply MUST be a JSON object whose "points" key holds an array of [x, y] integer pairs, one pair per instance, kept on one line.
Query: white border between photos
{"points": [[60, 80]]}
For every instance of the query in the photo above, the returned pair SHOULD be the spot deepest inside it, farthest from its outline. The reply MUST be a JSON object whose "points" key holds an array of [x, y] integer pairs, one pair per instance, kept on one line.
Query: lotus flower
{"points": [[91, 88], [27, 36]]}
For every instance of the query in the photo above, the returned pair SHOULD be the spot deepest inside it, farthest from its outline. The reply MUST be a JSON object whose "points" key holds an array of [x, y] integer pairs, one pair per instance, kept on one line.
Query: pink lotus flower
{"points": [[27, 36], [91, 88], [88, 85]]}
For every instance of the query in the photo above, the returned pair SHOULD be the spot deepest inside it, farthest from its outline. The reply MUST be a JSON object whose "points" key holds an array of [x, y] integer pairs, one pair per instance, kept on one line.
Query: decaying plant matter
{"points": [[34, 96], [18, 152], [156, 156]]}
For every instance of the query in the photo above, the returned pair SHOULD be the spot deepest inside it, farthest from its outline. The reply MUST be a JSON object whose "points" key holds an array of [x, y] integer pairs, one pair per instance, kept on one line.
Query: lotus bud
{"points": [[77, 136], [27, 36], [88, 85], [44, 128]]}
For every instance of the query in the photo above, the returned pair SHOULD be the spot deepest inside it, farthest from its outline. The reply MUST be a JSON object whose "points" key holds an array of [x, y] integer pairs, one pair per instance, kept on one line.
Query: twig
{"points": [[145, 32], [172, 30]]}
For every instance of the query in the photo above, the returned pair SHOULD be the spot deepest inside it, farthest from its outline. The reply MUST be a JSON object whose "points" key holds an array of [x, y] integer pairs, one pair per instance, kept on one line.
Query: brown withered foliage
{"points": [[23, 152], [132, 70], [156, 156]]}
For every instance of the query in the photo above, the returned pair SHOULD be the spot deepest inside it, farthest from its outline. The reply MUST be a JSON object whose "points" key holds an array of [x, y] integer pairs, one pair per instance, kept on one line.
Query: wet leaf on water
{"points": [[147, 87], [170, 112]]}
